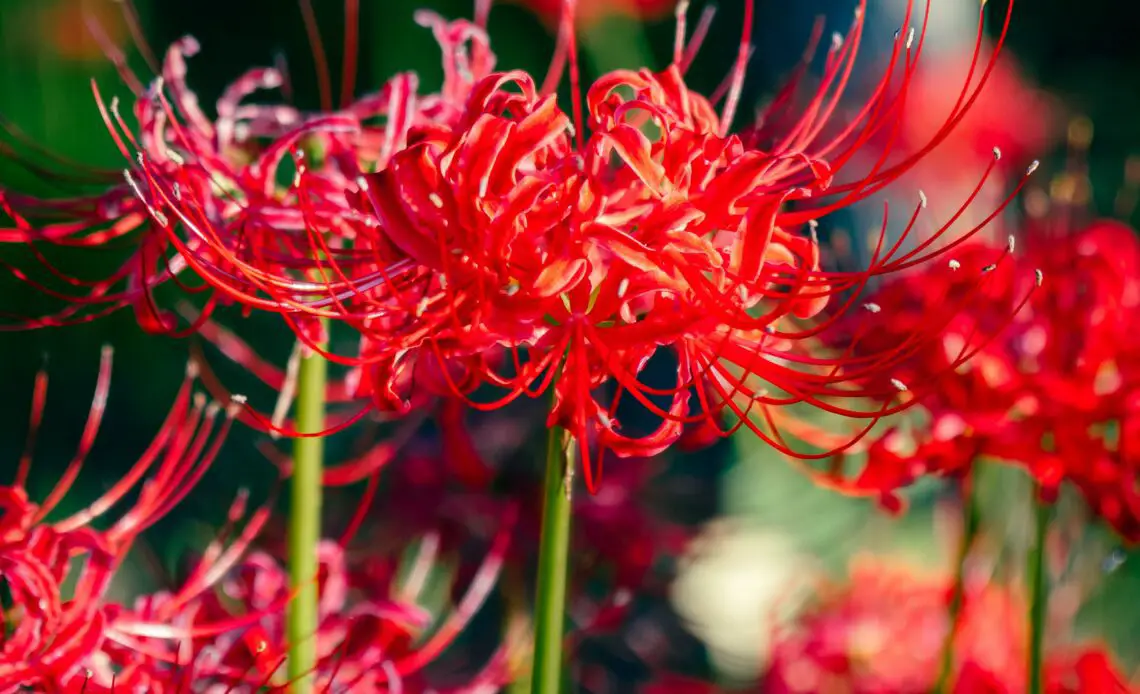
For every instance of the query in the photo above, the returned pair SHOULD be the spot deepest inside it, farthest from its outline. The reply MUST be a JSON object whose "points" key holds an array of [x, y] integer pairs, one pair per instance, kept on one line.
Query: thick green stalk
{"points": [[1038, 596], [970, 524], [553, 558], [305, 522]]}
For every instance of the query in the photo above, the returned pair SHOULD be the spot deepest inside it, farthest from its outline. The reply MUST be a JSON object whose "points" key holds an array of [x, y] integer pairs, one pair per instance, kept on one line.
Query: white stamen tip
{"points": [[954, 264], [1039, 277], [922, 199], [623, 287], [836, 41], [899, 385], [909, 38], [1010, 243], [239, 399], [1032, 167], [872, 307], [362, 182], [997, 153], [435, 200], [989, 268]]}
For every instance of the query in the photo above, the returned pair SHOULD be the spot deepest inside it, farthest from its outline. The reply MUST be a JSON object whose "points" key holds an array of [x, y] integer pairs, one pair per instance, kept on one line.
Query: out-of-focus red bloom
{"points": [[589, 11], [1011, 115], [379, 627], [1048, 393], [491, 245], [58, 571], [64, 28], [676, 684], [884, 631], [619, 539], [1085, 671]]}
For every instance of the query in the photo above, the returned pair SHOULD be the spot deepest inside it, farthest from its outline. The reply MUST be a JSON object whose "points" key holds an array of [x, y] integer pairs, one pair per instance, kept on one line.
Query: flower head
{"points": [[381, 623], [884, 632], [58, 571], [645, 228], [1046, 394]]}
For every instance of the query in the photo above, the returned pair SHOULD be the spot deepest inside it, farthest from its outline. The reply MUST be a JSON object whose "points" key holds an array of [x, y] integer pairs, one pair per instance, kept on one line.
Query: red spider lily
{"points": [[504, 245], [201, 196], [592, 253], [58, 572], [883, 633], [1048, 393], [377, 628]]}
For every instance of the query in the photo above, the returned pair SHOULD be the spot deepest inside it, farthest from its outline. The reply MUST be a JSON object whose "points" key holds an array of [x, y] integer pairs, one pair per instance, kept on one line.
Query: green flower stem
{"points": [[305, 522], [553, 559], [1038, 596], [971, 522]]}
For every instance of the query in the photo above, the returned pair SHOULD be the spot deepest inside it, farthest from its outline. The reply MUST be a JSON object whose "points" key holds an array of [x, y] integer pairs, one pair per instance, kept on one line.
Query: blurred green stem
{"points": [[305, 521], [1038, 595], [553, 551], [970, 525]]}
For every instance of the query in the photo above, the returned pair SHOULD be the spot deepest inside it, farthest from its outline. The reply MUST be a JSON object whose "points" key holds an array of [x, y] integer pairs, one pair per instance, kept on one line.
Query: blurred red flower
{"points": [[1012, 115], [588, 11], [379, 625], [883, 632], [1048, 394]]}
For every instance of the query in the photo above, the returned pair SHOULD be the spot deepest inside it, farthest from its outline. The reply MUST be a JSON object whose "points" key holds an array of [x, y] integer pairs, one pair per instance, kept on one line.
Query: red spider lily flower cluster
{"points": [[58, 572], [378, 630], [596, 252], [487, 244], [1055, 394], [884, 632]]}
